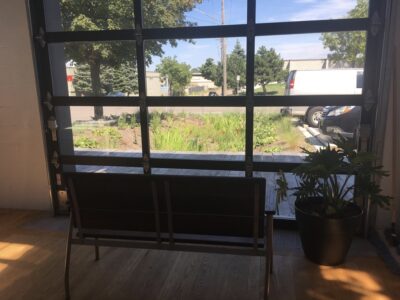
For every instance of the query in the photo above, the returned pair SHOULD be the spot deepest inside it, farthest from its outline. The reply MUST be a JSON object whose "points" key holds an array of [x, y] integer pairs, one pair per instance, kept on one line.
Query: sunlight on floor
{"points": [[13, 251], [3, 267], [358, 282]]}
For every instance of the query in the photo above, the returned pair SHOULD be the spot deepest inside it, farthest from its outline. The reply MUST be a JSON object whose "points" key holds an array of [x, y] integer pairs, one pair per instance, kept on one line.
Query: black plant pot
{"points": [[326, 241]]}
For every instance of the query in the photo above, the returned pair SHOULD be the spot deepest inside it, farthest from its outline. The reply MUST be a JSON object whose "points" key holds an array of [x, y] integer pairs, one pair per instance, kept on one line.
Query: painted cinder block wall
{"points": [[24, 180]]}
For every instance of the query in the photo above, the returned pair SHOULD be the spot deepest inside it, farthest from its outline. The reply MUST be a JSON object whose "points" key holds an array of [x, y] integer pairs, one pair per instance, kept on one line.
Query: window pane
{"points": [[198, 130], [101, 68], [279, 136], [117, 134], [310, 64], [303, 10], [81, 15], [171, 13], [194, 68]]}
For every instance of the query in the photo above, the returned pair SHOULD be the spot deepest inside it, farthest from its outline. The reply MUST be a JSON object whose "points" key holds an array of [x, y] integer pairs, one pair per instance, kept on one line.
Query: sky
{"points": [[299, 46]]}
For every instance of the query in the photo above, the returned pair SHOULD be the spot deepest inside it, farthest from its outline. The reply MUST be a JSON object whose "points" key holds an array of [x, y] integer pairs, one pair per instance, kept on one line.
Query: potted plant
{"points": [[326, 209]]}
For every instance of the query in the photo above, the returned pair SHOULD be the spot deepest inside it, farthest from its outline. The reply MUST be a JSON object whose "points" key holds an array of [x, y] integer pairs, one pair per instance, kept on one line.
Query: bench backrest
{"points": [[112, 201], [208, 205], [202, 205]]}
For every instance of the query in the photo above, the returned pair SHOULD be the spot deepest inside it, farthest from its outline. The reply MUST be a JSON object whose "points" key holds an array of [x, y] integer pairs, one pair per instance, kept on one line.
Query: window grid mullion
{"points": [[239, 30], [250, 40]]}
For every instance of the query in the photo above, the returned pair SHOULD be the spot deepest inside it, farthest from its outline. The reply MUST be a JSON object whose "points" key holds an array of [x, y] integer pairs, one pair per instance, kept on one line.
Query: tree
{"points": [[267, 67], [82, 82], [348, 47], [236, 66], [112, 15], [122, 78], [209, 70], [179, 75]]}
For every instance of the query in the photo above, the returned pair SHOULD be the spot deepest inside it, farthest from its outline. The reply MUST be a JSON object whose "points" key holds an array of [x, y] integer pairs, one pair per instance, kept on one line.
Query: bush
{"points": [[85, 142], [127, 121]]}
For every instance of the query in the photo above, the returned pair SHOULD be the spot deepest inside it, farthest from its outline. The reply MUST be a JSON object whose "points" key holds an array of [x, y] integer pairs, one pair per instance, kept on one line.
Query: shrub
{"points": [[85, 142]]}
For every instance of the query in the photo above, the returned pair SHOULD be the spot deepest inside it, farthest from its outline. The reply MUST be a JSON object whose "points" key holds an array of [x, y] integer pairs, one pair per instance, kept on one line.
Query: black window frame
{"points": [[373, 25]]}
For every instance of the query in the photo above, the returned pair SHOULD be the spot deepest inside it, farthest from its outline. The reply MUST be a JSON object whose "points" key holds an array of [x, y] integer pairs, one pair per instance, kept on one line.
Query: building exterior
{"points": [[155, 85], [199, 85]]}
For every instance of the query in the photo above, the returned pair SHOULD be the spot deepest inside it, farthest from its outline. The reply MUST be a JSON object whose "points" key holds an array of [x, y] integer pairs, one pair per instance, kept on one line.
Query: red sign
{"points": [[70, 77]]}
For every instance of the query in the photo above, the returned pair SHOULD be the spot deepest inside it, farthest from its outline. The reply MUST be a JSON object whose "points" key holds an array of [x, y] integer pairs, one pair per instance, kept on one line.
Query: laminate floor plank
{"points": [[32, 250]]}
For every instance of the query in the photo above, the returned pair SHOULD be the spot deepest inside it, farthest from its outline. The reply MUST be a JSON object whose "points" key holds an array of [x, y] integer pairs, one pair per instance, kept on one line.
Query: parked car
{"points": [[321, 82], [115, 94], [340, 119]]}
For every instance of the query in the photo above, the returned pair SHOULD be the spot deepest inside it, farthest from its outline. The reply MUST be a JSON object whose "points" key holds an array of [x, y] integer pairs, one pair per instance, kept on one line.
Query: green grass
{"points": [[195, 132], [265, 132], [109, 137], [221, 132], [85, 142], [127, 121], [105, 137], [275, 89], [288, 133]]}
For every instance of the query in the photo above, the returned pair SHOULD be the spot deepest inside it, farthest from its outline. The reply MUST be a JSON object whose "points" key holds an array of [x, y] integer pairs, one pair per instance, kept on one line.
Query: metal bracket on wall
{"points": [[52, 125], [47, 101], [40, 37], [376, 24], [54, 160], [58, 179]]}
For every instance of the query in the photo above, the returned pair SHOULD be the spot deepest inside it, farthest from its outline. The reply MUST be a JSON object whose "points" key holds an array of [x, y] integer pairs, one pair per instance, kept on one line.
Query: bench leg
{"points": [[268, 255], [270, 242], [67, 260], [96, 250]]}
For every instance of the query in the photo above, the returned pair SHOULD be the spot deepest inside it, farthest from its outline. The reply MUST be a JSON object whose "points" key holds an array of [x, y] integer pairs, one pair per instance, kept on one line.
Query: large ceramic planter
{"points": [[326, 241]]}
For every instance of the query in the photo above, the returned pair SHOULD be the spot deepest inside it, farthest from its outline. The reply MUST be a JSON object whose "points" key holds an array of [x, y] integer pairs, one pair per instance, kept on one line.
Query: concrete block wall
{"points": [[24, 180]]}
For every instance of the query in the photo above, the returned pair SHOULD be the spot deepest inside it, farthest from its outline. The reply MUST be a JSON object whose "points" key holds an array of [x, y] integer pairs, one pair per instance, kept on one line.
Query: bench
{"points": [[187, 213]]}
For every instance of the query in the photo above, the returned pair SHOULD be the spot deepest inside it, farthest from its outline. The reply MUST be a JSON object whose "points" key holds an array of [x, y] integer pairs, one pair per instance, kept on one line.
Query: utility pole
{"points": [[223, 52]]}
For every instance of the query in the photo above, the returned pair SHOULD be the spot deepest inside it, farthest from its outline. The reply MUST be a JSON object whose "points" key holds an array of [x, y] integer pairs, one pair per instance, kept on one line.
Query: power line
{"points": [[203, 20], [216, 20]]}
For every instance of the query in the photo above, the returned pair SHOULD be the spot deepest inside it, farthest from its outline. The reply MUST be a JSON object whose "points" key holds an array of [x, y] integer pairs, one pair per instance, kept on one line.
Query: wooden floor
{"points": [[32, 249]]}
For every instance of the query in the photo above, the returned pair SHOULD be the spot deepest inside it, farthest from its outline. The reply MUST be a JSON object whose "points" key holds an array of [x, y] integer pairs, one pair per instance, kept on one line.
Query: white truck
{"points": [[321, 82]]}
